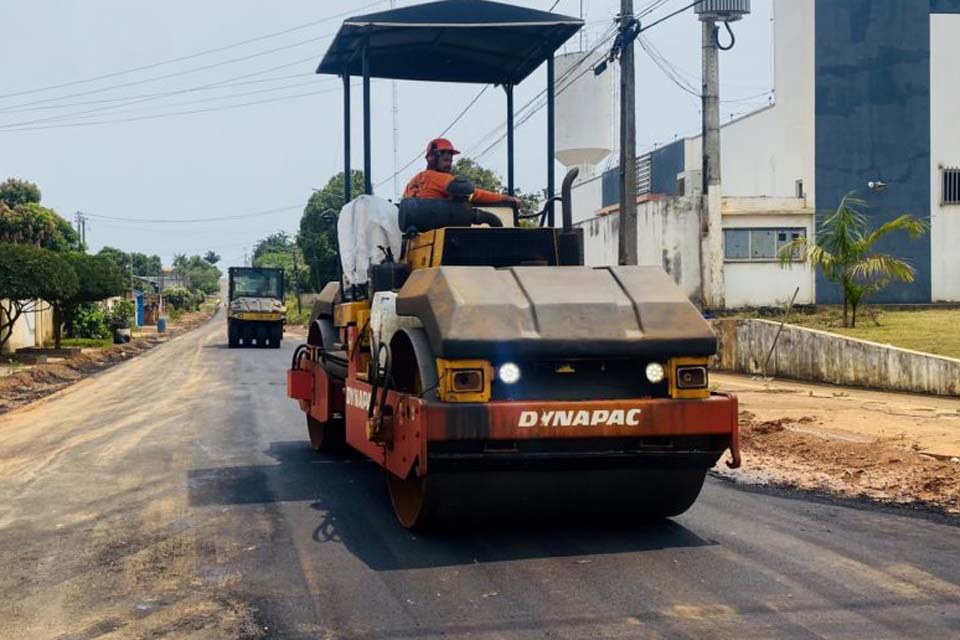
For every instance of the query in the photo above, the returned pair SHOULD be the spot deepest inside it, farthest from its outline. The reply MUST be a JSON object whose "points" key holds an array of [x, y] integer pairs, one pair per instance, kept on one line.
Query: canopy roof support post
{"points": [[510, 157], [367, 179], [347, 178], [551, 179]]}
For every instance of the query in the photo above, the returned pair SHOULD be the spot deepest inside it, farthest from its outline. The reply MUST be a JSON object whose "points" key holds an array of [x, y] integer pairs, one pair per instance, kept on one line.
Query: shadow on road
{"points": [[349, 495]]}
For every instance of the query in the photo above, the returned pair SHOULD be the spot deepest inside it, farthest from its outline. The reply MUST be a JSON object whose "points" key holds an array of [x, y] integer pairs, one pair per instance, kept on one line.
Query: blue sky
{"points": [[132, 159]]}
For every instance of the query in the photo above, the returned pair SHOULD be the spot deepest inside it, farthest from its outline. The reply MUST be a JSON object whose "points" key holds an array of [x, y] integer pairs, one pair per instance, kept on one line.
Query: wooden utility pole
{"points": [[628, 140]]}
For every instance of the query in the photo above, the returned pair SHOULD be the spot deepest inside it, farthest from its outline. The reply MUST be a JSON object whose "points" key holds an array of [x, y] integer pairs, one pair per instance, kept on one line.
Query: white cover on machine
{"points": [[365, 224]]}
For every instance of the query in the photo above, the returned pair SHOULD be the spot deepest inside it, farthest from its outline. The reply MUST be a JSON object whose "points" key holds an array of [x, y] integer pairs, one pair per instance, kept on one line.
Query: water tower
{"points": [[584, 132]]}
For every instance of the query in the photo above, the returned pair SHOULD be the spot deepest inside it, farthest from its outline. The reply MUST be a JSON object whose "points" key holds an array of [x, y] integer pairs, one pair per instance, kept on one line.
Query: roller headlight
{"points": [[655, 373], [509, 373]]}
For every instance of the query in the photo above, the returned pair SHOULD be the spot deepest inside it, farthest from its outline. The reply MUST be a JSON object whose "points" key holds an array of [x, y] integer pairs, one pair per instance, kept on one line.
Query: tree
{"points": [[280, 252], [843, 251], [98, 278], [31, 223], [317, 237], [212, 257], [483, 178], [29, 274], [15, 192]]}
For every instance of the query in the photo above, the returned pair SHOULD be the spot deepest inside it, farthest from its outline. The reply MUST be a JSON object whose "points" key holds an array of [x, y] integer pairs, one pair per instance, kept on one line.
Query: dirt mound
{"points": [[784, 452]]}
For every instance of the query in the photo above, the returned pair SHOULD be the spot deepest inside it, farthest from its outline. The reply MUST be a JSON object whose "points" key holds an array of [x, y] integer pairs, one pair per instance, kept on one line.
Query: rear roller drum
{"points": [[326, 437]]}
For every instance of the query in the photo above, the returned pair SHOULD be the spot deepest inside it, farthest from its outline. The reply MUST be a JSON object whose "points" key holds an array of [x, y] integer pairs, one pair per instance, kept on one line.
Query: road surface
{"points": [[176, 496]]}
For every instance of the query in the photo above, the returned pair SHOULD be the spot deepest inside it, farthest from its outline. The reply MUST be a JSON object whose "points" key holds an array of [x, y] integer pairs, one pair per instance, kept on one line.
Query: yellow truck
{"points": [[256, 312]]}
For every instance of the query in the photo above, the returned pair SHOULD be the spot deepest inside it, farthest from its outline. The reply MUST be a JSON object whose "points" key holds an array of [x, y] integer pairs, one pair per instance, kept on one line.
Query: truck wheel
{"points": [[276, 336], [262, 333], [233, 336], [326, 437]]}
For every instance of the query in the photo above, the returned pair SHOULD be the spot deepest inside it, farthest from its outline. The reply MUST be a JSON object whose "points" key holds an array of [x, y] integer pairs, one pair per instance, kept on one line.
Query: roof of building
{"points": [[474, 41]]}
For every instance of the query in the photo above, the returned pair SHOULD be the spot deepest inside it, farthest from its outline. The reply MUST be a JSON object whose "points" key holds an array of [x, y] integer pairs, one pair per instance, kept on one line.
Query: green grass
{"points": [[85, 343], [927, 330]]}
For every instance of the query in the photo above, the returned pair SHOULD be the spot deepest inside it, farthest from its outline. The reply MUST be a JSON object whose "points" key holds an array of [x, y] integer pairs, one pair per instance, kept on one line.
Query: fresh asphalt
{"points": [[176, 495]]}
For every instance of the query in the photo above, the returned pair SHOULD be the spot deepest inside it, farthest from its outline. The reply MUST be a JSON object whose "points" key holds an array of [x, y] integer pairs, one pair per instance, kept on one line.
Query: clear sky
{"points": [[114, 148]]}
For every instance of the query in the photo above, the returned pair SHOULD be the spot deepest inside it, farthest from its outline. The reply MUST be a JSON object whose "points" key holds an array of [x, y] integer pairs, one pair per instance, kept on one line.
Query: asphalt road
{"points": [[176, 496]]}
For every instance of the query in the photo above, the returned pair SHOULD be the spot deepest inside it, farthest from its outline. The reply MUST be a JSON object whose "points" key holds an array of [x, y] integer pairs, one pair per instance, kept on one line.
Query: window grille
{"points": [[951, 186]]}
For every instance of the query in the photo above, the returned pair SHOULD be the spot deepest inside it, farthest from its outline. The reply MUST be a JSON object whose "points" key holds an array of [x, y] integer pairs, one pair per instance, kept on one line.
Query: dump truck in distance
{"points": [[256, 312]]}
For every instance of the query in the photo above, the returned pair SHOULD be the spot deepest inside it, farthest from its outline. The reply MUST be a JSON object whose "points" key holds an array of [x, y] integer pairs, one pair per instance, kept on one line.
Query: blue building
{"points": [[867, 91]]}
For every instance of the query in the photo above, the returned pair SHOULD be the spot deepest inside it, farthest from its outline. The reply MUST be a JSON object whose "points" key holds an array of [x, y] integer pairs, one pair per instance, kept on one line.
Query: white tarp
{"points": [[367, 225]]}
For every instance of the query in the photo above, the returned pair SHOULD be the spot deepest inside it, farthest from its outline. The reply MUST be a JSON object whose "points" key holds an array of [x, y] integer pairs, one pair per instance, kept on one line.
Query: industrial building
{"points": [[867, 91]]}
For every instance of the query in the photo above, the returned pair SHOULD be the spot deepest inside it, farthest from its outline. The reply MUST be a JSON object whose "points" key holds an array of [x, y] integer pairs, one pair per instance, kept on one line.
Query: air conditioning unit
{"points": [[722, 10]]}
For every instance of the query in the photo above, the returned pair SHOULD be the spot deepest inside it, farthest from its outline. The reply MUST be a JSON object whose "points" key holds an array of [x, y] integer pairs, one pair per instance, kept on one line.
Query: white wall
{"points": [[766, 152], [755, 284], [944, 151], [667, 237], [587, 195]]}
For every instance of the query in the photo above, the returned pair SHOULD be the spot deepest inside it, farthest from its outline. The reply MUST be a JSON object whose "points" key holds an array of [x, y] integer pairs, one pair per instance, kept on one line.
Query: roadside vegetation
{"points": [[926, 330], [44, 265], [844, 253]]}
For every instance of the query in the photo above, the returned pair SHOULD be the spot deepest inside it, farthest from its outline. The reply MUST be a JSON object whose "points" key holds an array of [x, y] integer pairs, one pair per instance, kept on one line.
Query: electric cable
{"points": [[190, 56]]}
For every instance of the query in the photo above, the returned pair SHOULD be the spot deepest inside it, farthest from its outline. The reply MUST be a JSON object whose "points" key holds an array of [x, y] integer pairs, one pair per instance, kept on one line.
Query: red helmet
{"points": [[440, 144]]}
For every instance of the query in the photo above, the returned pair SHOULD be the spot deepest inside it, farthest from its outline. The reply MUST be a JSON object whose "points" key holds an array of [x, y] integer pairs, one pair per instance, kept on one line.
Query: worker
{"points": [[432, 182]]}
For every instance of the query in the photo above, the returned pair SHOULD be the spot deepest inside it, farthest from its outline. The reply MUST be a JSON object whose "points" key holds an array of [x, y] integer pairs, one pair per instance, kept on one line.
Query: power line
{"points": [[181, 72], [195, 220], [668, 16], [174, 104], [442, 133], [169, 115], [187, 57], [83, 103]]}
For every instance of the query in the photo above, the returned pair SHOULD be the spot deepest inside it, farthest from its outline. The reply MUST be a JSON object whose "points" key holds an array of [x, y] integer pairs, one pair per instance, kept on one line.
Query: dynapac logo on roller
{"points": [[582, 418], [358, 398]]}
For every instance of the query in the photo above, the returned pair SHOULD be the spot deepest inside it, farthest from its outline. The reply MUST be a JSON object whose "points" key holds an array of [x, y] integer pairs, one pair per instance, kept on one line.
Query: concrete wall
{"points": [[587, 195], [767, 283], [807, 354], [32, 329], [668, 232], [944, 152]]}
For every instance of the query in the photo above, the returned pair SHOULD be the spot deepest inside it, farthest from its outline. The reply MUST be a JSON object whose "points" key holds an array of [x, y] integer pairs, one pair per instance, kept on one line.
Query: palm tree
{"points": [[843, 252]]}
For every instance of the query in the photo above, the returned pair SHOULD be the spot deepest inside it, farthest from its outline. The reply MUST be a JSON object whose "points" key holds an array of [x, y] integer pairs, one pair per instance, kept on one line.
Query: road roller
{"points": [[469, 351]]}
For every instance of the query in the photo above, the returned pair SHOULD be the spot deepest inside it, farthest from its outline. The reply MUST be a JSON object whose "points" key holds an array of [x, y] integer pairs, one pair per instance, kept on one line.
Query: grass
{"points": [[85, 343], [927, 330]]}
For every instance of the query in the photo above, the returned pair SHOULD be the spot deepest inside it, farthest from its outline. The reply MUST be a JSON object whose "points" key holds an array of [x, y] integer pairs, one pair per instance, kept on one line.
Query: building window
{"points": [[758, 245], [950, 186]]}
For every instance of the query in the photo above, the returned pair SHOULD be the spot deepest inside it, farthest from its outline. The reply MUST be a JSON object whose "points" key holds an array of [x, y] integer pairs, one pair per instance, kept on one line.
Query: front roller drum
{"points": [[594, 495]]}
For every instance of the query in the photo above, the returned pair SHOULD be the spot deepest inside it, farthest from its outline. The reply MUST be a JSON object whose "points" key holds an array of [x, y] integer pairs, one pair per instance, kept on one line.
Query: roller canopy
{"points": [[555, 314], [451, 41]]}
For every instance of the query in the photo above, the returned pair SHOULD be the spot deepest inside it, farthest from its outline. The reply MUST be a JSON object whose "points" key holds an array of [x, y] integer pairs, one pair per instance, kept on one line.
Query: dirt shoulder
{"points": [[886, 447], [43, 380]]}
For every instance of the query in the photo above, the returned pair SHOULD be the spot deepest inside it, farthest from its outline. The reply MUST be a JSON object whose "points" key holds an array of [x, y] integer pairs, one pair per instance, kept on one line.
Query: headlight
{"points": [[655, 372], [509, 373]]}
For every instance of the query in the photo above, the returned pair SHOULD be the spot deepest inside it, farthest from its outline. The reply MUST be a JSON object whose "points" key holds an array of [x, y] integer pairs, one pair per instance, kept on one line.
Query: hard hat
{"points": [[440, 144]]}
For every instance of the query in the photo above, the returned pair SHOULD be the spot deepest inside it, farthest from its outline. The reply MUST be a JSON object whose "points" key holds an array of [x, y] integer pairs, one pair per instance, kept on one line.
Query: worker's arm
{"points": [[482, 196]]}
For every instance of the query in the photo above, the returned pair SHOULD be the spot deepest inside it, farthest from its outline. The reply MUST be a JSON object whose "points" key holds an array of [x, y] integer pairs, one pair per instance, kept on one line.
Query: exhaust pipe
{"points": [[565, 193]]}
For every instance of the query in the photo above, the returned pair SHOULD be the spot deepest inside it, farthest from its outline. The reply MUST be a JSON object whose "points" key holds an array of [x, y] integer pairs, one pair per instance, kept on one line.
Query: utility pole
{"points": [[296, 279], [711, 220], [81, 222], [627, 253], [396, 136]]}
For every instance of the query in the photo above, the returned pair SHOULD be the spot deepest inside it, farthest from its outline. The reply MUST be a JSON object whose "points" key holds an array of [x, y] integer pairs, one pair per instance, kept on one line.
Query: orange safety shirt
{"points": [[433, 184]]}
